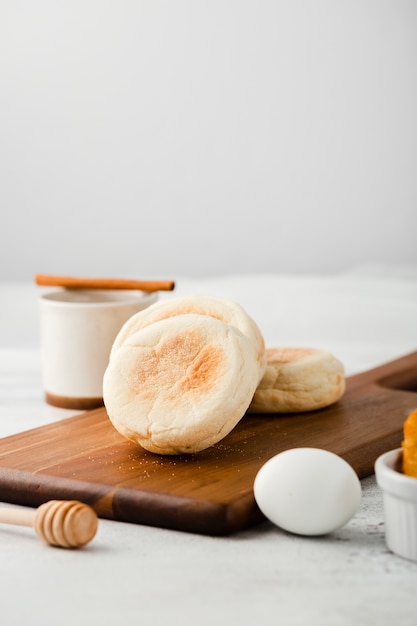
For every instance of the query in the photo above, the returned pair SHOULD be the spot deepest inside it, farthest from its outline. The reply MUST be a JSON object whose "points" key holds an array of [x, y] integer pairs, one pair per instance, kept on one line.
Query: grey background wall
{"points": [[176, 137]]}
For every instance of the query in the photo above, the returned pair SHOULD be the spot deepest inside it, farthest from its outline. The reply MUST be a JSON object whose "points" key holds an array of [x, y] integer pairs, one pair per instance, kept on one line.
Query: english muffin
{"points": [[298, 379], [181, 384]]}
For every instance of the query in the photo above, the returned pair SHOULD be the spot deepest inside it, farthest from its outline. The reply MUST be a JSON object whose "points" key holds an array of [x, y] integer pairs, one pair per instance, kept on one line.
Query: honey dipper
{"points": [[63, 523]]}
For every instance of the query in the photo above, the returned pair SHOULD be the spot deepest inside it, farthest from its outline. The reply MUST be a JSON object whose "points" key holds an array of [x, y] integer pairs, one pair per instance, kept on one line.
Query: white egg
{"points": [[307, 491]]}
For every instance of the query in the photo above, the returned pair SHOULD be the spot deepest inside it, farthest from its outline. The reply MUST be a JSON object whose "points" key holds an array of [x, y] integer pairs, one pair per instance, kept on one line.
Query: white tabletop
{"points": [[138, 574]]}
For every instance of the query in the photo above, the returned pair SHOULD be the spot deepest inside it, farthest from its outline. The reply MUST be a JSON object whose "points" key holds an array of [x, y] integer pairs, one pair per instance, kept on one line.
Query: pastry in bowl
{"points": [[409, 445]]}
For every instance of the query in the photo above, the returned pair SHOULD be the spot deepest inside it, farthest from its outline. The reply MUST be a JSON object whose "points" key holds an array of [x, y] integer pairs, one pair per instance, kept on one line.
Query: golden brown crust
{"points": [[277, 355], [409, 445]]}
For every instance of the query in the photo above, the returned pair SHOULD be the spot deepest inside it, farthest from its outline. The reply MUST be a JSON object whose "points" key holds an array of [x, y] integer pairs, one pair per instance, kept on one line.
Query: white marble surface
{"points": [[136, 574]]}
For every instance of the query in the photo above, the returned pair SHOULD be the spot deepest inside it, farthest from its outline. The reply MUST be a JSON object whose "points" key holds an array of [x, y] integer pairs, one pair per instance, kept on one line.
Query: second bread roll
{"points": [[298, 379]]}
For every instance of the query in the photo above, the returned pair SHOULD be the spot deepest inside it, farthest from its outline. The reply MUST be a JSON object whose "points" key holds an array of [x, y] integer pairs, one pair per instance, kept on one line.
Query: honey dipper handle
{"points": [[19, 517]]}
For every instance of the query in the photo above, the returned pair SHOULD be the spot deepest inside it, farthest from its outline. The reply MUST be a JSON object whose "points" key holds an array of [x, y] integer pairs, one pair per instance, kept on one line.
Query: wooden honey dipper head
{"points": [[65, 523]]}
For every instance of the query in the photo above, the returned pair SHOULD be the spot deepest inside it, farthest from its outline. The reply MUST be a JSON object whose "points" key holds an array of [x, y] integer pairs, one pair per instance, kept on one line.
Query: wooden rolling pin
{"points": [[63, 523], [72, 282]]}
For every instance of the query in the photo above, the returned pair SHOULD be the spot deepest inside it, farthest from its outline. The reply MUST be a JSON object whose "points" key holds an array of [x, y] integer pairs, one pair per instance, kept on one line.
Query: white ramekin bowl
{"points": [[400, 504]]}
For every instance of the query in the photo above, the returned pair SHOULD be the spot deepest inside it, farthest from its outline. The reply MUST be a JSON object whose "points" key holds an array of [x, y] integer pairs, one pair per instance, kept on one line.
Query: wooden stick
{"points": [[72, 282], [19, 517], [63, 523]]}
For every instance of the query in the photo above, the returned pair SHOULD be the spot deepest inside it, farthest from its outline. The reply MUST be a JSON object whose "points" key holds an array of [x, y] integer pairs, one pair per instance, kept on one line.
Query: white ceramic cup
{"points": [[77, 329]]}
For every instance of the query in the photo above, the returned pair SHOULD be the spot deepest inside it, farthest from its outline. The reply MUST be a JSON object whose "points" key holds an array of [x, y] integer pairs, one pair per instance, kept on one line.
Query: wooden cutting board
{"points": [[211, 492]]}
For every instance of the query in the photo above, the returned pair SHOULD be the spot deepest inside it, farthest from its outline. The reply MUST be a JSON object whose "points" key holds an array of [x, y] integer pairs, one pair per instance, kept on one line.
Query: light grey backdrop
{"points": [[173, 137]]}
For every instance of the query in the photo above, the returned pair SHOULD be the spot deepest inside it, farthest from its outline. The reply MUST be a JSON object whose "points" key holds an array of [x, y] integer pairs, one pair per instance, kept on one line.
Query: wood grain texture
{"points": [[85, 458]]}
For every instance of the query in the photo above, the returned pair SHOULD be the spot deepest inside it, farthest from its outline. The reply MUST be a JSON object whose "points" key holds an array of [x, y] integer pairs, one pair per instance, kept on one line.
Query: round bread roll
{"points": [[218, 308], [298, 379], [181, 384]]}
